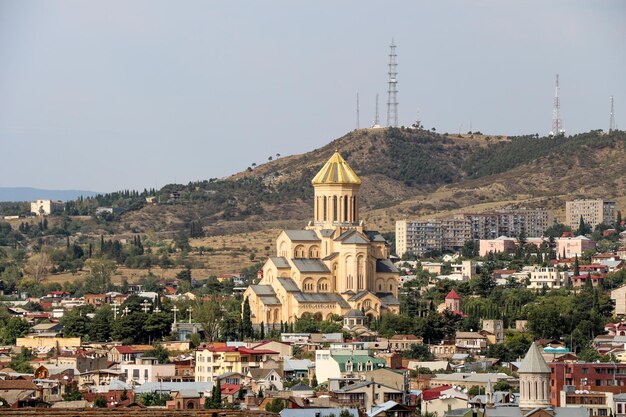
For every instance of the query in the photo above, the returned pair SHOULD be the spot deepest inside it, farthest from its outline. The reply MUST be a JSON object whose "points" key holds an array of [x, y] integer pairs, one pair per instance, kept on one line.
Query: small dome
{"points": [[355, 314], [336, 171]]}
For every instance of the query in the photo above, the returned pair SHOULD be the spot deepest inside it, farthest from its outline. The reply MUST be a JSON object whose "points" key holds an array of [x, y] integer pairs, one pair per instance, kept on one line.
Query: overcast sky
{"points": [[106, 95]]}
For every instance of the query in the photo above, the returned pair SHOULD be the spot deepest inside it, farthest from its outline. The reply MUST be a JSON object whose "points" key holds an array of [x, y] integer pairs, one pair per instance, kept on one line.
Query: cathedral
{"points": [[331, 266]]}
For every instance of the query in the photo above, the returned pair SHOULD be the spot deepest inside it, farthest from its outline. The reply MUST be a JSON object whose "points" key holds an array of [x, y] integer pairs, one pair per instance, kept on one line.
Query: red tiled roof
{"points": [[229, 389], [453, 295], [404, 337], [17, 384], [434, 393]]}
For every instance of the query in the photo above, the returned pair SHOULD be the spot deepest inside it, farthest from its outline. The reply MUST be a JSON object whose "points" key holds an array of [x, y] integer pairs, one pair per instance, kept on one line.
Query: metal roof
{"points": [[310, 297], [301, 235], [533, 362], [336, 171], [280, 262], [310, 265], [385, 265], [262, 290], [288, 284]]}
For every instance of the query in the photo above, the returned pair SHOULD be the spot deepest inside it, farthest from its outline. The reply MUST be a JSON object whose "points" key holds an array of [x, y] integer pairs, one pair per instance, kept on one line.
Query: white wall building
{"points": [[46, 207]]}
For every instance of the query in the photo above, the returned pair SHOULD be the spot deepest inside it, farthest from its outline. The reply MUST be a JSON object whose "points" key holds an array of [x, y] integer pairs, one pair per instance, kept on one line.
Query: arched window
{"points": [[314, 252], [345, 208], [299, 252], [322, 285], [307, 285], [335, 208], [325, 208]]}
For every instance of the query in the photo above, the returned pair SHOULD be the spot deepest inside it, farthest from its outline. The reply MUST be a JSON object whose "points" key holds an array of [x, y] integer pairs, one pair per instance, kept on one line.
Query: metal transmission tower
{"points": [[376, 117], [392, 100], [612, 117], [557, 124]]}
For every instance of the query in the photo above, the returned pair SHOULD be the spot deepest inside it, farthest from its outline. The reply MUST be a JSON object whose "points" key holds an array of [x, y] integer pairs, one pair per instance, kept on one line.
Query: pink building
{"points": [[573, 246], [501, 244]]}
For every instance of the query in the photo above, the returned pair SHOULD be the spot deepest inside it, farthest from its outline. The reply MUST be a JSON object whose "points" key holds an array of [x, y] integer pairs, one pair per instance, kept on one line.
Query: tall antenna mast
{"points": [[392, 100], [612, 118], [357, 110], [376, 118], [557, 124]]}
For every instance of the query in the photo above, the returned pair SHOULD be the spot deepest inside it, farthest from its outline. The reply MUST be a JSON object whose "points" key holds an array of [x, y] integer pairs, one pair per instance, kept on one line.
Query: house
{"points": [[430, 365], [335, 363], [441, 399], [282, 348], [500, 244], [14, 391], [443, 350], [266, 379], [394, 378], [146, 369], [81, 360], [127, 353], [547, 277], [495, 328], [390, 409], [46, 207], [313, 412], [470, 342], [296, 368], [402, 342], [232, 378], [47, 328], [301, 390], [364, 394]]}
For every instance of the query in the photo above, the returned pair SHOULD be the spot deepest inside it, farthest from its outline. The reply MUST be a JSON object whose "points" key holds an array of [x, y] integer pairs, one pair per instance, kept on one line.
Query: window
{"points": [[585, 371], [145, 374], [136, 374]]}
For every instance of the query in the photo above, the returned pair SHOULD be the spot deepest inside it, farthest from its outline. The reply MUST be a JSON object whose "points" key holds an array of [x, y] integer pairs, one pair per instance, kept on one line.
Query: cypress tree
{"points": [[262, 334], [576, 266], [247, 320]]}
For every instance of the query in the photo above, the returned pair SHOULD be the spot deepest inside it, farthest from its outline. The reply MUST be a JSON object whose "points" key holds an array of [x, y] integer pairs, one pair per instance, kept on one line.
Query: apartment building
{"points": [[593, 212], [547, 277], [597, 377], [450, 234], [215, 361]]}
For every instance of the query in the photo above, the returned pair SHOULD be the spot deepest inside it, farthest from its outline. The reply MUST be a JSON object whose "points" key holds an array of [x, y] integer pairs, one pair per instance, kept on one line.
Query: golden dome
{"points": [[336, 171]]}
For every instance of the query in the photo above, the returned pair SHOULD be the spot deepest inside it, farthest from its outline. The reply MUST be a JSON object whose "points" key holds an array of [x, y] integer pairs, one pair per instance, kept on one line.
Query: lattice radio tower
{"points": [[612, 117], [557, 124], [376, 118], [392, 99]]}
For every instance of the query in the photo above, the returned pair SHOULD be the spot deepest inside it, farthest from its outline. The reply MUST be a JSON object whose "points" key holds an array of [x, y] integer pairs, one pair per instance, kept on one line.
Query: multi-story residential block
{"points": [[547, 277], [402, 342], [597, 377], [46, 207], [618, 296], [215, 361], [599, 404], [418, 237], [450, 234], [147, 369], [593, 212], [470, 342]]}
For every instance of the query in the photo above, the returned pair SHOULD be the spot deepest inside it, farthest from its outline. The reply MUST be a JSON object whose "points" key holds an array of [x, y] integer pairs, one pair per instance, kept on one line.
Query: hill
{"points": [[13, 194], [406, 173]]}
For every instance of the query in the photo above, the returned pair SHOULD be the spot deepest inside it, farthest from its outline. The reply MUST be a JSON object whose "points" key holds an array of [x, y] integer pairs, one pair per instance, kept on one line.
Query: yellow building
{"points": [[331, 266]]}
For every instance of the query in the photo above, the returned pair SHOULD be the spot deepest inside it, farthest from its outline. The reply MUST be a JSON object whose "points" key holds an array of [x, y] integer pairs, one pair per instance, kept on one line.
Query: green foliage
{"points": [[74, 323], [21, 362], [275, 406], [160, 353], [13, 328], [150, 399], [419, 352], [74, 395], [100, 402], [215, 402]]}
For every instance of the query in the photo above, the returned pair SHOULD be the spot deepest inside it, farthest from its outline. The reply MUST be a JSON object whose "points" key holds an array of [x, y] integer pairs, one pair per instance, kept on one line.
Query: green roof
{"points": [[356, 359]]}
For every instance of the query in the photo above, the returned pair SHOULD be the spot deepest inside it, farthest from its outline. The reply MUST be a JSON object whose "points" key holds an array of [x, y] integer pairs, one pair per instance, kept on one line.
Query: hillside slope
{"points": [[406, 174]]}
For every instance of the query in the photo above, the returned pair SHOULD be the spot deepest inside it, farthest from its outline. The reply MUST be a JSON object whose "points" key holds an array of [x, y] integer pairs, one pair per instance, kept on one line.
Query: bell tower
{"points": [[336, 195]]}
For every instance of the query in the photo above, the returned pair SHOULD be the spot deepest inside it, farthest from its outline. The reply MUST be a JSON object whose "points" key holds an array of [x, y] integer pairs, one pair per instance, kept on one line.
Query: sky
{"points": [[130, 94]]}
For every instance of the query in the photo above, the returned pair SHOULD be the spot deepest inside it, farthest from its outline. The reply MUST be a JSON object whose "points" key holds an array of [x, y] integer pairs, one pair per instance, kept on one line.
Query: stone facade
{"points": [[330, 267]]}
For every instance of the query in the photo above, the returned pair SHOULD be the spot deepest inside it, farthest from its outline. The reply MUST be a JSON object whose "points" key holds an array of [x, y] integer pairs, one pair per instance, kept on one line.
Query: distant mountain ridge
{"points": [[29, 194]]}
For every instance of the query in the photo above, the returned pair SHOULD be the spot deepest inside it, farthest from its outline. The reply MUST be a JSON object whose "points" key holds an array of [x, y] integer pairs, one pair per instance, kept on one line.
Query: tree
{"points": [[247, 319], [583, 228], [160, 353], [275, 406], [576, 267], [99, 278], [38, 266], [15, 327], [419, 352], [100, 402], [216, 397], [210, 314], [74, 323], [99, 328], [345, 412], [262, 334], [21, 362]]}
